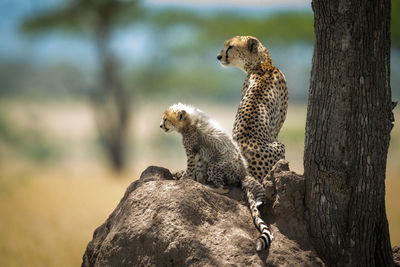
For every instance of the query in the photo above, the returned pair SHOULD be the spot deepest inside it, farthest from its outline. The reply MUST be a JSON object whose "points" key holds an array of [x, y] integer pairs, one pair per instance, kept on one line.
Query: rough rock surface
{"points": [[164, 222]]}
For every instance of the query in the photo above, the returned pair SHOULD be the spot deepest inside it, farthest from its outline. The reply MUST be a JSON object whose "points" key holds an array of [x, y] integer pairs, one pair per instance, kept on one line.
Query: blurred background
{"points": [[83, 85]]}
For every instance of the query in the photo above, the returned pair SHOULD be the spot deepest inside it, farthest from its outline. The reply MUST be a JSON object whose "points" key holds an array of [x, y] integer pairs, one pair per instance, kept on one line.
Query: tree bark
{"points": [[349, 119]]}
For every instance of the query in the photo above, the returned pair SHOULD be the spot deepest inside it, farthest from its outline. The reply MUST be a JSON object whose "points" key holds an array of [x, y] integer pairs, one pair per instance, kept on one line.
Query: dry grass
{"points": [[393, 208], [49, 212], [47, 218]]}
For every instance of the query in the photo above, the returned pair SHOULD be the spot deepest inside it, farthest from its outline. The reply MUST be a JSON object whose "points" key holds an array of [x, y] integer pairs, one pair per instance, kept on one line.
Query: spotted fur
{"points": [[262, 109], [213, 156]]}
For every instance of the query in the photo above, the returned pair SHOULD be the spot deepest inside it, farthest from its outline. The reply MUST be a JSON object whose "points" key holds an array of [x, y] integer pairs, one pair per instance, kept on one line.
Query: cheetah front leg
{"points": [[199, 172], [200, 169], [190, 167], [178, 175]]}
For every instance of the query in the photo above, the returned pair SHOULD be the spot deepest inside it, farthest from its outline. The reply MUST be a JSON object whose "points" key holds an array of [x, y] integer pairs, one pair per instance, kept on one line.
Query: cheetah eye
{"points": [[229, 48]]}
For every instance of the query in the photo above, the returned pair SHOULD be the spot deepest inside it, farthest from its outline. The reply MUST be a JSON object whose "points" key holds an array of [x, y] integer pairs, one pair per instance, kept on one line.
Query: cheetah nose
{"points": [[219, 57], [160, 125]]}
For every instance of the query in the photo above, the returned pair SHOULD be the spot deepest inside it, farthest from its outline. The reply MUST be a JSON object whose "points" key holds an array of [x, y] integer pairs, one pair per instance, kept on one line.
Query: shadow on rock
{"points": [[166, 222]]}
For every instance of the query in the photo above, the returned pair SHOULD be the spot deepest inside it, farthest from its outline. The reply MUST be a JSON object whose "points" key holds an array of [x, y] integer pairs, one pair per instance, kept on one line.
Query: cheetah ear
{"points": [[181, 115], [252, 44]]}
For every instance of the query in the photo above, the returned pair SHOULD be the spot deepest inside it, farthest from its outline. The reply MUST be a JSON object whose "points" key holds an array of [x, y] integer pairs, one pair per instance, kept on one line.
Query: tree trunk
{"points": [[110, 102], [349, 119]]}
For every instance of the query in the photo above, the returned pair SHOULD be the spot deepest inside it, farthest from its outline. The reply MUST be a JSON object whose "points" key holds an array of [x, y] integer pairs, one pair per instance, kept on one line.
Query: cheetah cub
{"points": [[212, 156], [262, 109]]}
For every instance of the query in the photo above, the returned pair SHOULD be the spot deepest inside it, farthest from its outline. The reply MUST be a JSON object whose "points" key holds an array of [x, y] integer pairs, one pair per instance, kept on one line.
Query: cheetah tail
{"points": [[264, 241]]}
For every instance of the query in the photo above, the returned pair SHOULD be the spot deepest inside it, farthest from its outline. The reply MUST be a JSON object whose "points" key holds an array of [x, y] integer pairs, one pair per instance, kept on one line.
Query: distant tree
{"points": [[110, 100], [349, 120]]}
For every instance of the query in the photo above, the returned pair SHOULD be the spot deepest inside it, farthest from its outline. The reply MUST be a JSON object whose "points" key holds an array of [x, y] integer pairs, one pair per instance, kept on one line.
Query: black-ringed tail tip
{"points": [[264, 241]]}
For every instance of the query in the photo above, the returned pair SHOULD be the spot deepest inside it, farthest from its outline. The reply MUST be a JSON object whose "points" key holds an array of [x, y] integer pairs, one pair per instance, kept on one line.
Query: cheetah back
{"points": [[259, 118]]}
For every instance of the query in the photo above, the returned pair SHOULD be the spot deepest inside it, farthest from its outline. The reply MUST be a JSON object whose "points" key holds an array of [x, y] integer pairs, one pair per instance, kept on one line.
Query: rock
{"points": [[287, 216], [288, 205], [396, 256], [166, 222]]}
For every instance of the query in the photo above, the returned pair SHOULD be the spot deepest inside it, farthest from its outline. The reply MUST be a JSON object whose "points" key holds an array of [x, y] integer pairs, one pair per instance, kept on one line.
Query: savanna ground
{"points": [[51, 205]]}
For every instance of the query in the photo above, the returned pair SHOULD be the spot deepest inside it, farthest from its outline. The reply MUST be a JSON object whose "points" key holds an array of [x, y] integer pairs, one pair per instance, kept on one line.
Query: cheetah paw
{"points": [[220, 190]]}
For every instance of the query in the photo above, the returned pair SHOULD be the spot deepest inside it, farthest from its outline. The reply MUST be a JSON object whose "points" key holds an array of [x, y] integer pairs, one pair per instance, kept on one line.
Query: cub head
{"points": [[175, 118], [244, 52]]}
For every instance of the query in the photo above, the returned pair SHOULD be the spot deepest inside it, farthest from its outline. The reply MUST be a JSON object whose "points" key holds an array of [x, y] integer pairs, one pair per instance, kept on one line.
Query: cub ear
{"points": [[181, 115], [252, 45]]}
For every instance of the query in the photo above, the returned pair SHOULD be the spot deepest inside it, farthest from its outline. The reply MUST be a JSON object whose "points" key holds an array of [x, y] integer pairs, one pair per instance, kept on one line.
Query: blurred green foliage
{"points": [[395, 27], [180, 50], [180, 55], [283, 27], [26, 142], [75, 16], [22, 80]]}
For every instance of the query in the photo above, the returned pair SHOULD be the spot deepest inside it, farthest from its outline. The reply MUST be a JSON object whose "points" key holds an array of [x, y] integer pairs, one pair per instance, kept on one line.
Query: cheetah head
{"points": [[175, 118], [244, 52]]}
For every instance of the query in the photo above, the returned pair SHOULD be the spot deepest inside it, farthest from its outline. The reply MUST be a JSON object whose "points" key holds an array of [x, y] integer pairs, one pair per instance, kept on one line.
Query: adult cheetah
{"points": [[263, 106]]}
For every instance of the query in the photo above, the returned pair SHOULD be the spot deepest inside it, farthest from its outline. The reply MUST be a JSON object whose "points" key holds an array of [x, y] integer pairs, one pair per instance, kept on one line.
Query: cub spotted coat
{"points": [[212, 156]]}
